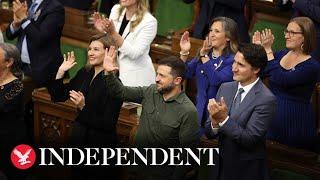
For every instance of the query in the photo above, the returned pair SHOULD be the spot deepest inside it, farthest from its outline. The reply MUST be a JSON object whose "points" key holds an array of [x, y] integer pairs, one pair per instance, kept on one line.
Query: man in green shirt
{"points": [[168, 118]]}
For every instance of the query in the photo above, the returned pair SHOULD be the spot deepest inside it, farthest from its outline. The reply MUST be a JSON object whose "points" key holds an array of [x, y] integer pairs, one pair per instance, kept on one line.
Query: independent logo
{"points": [[23, 156]]}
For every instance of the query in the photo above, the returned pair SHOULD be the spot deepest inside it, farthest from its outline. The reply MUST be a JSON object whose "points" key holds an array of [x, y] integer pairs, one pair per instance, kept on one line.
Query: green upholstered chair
{"points": [[173, 15]]}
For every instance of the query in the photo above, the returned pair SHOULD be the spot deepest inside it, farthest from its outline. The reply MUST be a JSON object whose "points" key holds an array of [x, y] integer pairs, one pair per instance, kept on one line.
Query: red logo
{"points": [[23, 156]]}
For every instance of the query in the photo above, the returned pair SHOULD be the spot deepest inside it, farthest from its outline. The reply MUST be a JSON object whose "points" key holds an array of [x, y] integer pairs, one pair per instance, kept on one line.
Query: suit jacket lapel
{"points": [[248, 99], [119, 20], [231, 94], [43, 6], [118, 25]]}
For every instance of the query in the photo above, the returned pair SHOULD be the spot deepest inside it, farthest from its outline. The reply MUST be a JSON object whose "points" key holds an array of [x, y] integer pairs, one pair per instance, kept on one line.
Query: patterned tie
{"points": [[31, 10], [236, 101]]}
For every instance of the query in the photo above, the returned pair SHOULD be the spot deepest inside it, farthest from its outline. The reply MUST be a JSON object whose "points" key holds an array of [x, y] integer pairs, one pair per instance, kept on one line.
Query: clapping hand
{"points": [[99, 22], [109, 62], [102, 24], [206, 46], [267, 39], [185, 44], [218, 110], [264, 38], [19, 12], [77, 98], [256, 38]]}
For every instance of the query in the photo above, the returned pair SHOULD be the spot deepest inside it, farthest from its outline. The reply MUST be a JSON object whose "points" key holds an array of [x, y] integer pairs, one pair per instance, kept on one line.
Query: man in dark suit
{"points": [[38, 26], [240, 117], [211, 9]]}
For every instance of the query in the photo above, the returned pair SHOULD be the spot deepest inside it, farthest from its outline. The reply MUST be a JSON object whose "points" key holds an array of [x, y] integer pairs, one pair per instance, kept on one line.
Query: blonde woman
{"points": [[133, 29]]}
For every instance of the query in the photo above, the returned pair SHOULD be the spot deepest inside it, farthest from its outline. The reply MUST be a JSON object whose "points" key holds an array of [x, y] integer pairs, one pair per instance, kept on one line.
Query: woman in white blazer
{"points": [[134, 40]]}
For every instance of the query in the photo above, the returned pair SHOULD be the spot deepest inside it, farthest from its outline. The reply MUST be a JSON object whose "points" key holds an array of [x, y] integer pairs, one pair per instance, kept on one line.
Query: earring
{"points": [[301, 46]]}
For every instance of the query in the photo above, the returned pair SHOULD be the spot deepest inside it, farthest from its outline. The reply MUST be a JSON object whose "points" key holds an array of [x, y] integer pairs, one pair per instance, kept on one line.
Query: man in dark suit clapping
{"points": [[240, 116], [38, 26]]}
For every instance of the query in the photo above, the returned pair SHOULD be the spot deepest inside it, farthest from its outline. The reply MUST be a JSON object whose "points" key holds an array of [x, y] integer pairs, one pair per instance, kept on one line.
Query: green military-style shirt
{"points": [[170, 123]]}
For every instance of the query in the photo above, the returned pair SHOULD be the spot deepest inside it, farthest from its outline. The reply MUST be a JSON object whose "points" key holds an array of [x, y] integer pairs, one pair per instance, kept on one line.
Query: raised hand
{"points": [[111, 29], [19, 12], [256, 38], [109, 62], [69, 61], [206, 46], [77, 98], [267, 39], [99, 22], [185, 44]]}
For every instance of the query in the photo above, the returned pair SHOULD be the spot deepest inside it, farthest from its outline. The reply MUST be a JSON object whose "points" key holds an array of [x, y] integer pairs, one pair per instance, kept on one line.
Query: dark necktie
{"points": [[237, 100], [31, 10]]}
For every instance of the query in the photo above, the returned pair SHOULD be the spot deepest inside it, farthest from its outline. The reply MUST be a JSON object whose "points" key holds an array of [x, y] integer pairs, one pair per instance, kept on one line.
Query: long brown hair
{"points": [[309, 33]]}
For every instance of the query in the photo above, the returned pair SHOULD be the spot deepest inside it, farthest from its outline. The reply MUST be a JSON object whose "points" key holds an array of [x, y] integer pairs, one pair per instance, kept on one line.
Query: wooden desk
{"points": [[53, 124], [53, 121]]}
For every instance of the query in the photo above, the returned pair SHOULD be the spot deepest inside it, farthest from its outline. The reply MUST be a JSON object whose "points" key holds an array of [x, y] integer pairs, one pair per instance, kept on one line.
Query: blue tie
{"points": [[237, 101], [31, 10]]}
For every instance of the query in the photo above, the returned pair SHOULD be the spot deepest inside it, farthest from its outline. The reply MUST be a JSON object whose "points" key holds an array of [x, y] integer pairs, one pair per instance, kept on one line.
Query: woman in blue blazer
{"points": [[213, 65]]}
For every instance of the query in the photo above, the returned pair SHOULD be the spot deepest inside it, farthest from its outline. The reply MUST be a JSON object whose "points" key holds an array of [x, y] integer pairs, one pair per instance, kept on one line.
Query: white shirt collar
{"points": [[246, 88], [37, 1]]}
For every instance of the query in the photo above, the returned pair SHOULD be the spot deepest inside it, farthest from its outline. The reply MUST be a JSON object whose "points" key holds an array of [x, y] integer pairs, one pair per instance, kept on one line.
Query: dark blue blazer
{"points": [[209, 76], [43, 38], [242, 151], [210, 9]]}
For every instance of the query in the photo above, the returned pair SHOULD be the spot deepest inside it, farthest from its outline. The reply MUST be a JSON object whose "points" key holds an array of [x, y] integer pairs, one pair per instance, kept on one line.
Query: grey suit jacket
{"points": [[242, 137]]}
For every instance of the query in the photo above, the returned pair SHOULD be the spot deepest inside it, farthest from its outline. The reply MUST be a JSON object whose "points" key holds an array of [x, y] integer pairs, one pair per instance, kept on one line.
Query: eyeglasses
{"points": [[291, 33]]}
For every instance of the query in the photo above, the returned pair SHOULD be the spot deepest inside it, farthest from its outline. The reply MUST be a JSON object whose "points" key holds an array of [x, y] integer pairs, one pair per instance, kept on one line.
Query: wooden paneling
{"points": [[53, 121]]}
